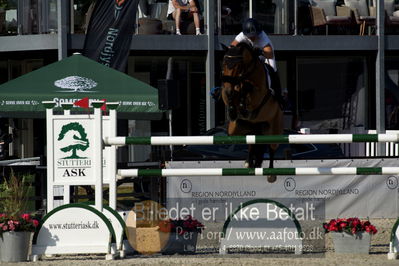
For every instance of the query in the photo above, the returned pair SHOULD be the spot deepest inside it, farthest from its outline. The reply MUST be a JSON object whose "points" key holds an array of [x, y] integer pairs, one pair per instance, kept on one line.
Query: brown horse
{"points": [[252, 109]]}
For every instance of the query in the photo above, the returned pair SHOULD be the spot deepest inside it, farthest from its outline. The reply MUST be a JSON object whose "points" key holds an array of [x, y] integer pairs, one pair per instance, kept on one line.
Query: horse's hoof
{"points": [[246, 164], [271, 178]]}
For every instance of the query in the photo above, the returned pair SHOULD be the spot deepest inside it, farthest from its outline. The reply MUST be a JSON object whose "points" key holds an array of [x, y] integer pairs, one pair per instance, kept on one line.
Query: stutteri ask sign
{"points": [[73, 151]]}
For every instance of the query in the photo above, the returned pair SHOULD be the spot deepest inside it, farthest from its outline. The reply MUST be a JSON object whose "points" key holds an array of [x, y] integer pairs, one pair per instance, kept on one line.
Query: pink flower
{"points": [[11, 227], [26, 217], [35, 223]]}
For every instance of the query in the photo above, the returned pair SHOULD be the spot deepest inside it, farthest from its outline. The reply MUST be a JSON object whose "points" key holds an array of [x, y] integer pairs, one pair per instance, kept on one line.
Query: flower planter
{"points": [[348, 243], [181, 243], [14, 246]]}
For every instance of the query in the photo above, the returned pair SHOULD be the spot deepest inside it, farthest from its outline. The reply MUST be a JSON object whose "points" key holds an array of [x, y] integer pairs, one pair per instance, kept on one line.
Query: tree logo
{"points": [[76, 84], [74, 138]]}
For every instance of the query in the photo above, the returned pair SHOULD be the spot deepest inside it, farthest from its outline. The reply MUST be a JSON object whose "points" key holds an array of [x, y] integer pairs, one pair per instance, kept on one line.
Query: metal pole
{"points": [[62, 25], [250, 9], [295, 17], [210, 65], [380, 75], [219, 16]]}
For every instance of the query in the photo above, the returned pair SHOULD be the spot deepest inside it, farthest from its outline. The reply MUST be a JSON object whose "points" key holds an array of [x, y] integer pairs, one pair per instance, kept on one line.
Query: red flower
{"points": [[350, 225], [23, 222], [186, 224], [35, 223], [343, 224], [26, 217], [356, 222]]}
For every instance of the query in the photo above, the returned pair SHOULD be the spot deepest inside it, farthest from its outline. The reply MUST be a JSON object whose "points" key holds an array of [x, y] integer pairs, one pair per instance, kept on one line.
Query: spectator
{"points": [[181, 9], [5, 139]]}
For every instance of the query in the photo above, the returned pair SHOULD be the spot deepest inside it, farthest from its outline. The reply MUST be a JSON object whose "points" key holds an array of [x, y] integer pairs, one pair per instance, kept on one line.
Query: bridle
{"points": [[233, 60], [244, 83]]}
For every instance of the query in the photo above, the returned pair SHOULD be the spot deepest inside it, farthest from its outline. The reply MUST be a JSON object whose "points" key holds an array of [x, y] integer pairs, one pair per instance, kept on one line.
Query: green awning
{"points": [[75, 78]]}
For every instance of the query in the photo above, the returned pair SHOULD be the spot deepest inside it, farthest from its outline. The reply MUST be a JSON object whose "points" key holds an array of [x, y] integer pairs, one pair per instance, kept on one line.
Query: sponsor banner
{"points": [[374, 196], [72, 229], [110, 32], [73, 151]]}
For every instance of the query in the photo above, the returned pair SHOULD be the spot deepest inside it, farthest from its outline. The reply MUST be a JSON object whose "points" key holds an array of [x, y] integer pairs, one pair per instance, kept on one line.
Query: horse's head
{"points": [[238, 63]]}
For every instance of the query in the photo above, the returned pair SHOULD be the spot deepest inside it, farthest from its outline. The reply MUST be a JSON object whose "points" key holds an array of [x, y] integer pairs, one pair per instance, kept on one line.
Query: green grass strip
{"points": [[138, 140], [272, 139], [369, 171], [365, 138]]}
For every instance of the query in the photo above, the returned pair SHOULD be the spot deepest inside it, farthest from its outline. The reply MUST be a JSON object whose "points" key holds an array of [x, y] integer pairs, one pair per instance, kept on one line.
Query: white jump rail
{"points": [[252, 139], [122, 173]]}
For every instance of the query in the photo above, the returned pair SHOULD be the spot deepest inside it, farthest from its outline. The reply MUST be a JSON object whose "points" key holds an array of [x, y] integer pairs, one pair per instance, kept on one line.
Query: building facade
{"points": [[338, 78]]}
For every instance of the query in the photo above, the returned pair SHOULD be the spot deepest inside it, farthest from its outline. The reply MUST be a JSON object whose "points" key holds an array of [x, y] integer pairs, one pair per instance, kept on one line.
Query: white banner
{"points": [[374, 196]]}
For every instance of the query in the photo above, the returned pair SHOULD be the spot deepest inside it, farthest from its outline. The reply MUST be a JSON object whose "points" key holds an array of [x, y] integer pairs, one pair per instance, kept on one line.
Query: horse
{"points": [[251, 107]]}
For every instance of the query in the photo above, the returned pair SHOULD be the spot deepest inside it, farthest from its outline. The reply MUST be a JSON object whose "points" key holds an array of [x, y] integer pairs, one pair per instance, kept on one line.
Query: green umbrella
{"points": [[73, 79]]}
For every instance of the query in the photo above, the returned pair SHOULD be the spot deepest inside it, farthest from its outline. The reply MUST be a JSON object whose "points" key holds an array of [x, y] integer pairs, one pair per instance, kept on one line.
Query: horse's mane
{"points": [[237, 50], [234, 53], [246, 46]]}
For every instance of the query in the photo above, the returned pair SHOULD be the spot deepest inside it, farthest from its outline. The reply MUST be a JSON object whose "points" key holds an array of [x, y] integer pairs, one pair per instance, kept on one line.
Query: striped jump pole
{"points": [[252, 139], [122, 173]]}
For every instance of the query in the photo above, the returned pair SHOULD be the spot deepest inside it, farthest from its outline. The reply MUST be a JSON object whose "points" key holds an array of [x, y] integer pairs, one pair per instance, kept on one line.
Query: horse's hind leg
{"points": [[260, 150], [255, 155], [271, 178], [250, 162]]}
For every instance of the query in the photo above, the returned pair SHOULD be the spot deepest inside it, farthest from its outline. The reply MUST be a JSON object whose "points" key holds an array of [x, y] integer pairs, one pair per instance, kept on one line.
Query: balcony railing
{"points": [[282, 17]]}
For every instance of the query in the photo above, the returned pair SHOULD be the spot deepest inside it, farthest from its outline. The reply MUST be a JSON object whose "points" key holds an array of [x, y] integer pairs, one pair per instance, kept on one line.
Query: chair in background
{"points": [[326, 13], [364, 14], [391, 14]]}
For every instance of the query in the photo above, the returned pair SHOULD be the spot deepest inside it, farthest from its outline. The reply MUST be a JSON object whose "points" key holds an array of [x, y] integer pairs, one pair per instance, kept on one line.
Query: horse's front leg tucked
{"points": [[255, 155], [271, 178]]}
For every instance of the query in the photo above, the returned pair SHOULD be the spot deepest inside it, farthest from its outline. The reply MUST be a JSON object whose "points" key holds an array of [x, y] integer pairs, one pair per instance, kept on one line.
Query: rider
{"points": [[253, 34]]}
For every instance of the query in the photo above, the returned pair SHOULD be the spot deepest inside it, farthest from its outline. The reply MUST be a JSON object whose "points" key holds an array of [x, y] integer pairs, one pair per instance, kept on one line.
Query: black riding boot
{"points": [[276, 85]]}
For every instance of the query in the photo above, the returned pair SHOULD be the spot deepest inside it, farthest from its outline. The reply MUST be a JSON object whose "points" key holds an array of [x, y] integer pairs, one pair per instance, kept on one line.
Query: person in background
{"points": [[5, 139], [253, 34], [179, 9]]}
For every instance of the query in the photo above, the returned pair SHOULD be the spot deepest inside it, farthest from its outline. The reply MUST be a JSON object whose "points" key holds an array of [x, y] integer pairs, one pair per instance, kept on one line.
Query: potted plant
{"points": [[16, 226], [350, 235], [183, 234]]}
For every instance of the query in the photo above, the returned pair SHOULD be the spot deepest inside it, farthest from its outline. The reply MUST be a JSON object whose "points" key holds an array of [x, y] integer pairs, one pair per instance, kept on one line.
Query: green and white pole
{"points": [[252, 139], [122, 173]]}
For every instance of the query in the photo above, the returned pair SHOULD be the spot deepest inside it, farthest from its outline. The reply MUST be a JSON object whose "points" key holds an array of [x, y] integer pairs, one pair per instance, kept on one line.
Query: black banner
{"points": [[110, 31]]}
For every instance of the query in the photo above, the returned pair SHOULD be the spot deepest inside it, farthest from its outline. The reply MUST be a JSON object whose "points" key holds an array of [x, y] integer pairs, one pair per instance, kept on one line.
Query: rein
{"points": [[242, 79], [255, 112]]}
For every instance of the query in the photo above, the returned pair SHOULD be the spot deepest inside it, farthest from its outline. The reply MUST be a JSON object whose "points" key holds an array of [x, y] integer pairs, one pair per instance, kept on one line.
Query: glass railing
{"points": [[282, 17], [31, 17]]}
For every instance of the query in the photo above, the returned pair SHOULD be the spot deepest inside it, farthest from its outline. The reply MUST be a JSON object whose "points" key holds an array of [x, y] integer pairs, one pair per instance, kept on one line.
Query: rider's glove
{"points": [[258, 51]]}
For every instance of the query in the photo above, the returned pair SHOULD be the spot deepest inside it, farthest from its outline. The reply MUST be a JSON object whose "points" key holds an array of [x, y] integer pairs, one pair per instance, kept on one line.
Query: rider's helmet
{"points": [[251, 28]]}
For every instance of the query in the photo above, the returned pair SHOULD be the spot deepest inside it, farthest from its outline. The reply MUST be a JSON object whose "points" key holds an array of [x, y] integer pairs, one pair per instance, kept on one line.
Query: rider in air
{"points": [[253, 34]]}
